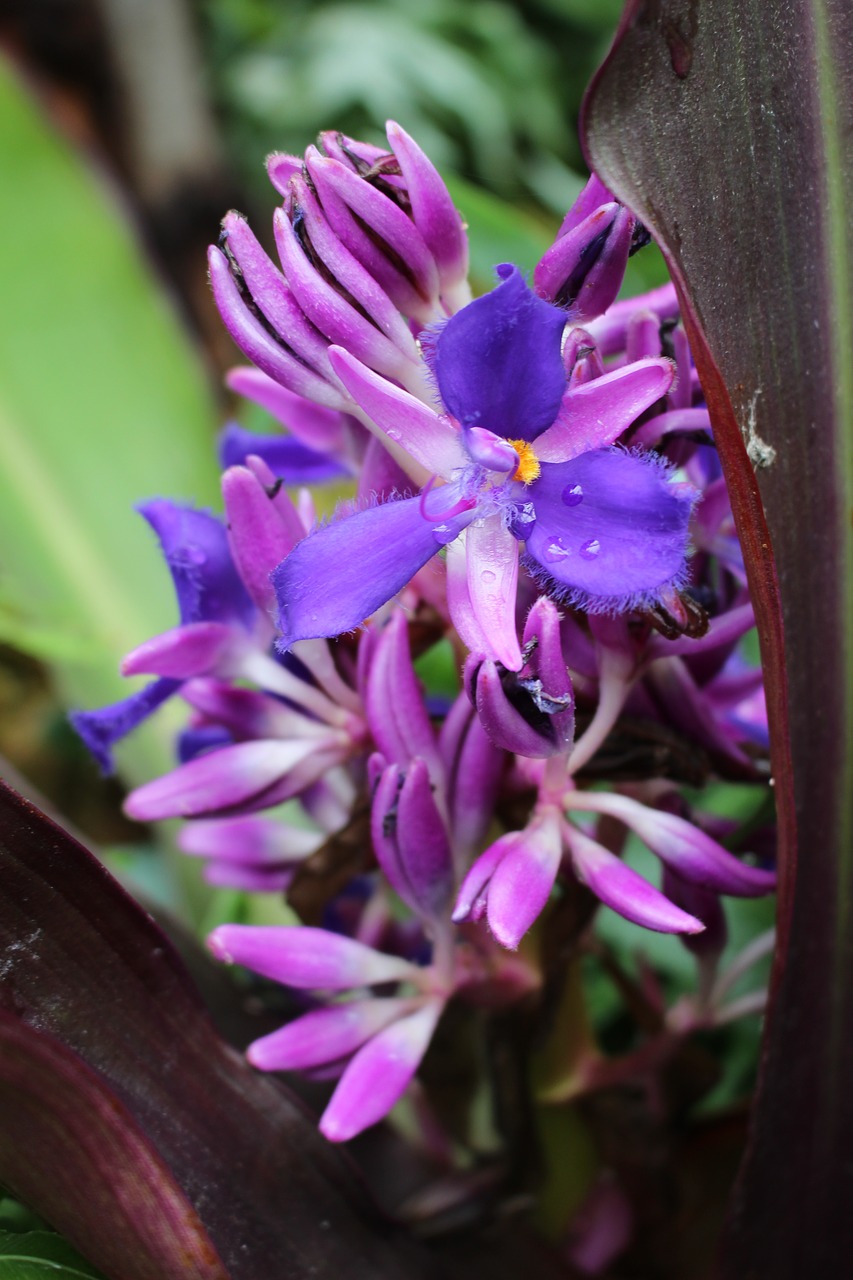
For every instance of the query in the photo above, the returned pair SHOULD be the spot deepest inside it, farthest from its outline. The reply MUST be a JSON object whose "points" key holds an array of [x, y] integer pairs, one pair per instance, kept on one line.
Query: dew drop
{"points": [[590, 549], [443, 533], [488, 576], [393, 434], [573, 494], [195, 555], [525, 513], [557, 550]]}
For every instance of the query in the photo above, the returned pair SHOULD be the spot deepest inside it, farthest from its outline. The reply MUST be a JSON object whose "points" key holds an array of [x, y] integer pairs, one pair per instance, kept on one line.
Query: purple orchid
{"points": [[525, 454]]}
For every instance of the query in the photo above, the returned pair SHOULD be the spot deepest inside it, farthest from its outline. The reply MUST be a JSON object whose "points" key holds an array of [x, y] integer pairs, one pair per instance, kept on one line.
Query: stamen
{"points": [[528, 468]]}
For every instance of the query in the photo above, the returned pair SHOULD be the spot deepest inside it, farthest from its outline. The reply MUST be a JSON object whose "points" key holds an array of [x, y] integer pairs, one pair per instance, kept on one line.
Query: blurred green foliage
{"points": [[490, 89]]}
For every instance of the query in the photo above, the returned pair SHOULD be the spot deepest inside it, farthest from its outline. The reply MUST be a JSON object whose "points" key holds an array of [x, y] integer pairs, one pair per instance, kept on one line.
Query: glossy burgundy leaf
{"points": [[726, 129], [82, 964], [58, 1114]]}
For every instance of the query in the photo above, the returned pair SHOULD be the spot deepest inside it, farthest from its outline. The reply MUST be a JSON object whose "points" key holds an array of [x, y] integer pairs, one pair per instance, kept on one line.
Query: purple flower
{"points": [[374, 1043], [526, 456]]}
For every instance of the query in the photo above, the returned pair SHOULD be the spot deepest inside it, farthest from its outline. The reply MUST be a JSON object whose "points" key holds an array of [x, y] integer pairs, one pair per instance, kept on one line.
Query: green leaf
{"points": [[103, 402], [41, 1255], [498, 231]]}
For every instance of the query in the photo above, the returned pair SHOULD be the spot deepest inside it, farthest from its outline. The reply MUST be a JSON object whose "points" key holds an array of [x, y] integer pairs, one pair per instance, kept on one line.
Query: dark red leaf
{"points": [[726, 127]]}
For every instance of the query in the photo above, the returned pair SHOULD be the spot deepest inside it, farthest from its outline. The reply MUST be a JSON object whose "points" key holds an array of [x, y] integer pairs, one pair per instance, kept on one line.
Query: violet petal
{"points": [[610, 531], [497, 361]]}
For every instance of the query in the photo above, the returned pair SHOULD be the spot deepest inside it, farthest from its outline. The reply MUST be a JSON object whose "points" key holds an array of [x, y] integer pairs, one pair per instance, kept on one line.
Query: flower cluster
{"points": [[533, 480]]}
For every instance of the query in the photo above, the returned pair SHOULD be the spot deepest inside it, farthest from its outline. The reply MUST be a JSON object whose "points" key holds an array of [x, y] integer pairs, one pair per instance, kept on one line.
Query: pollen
{"points": [[528, 468]]}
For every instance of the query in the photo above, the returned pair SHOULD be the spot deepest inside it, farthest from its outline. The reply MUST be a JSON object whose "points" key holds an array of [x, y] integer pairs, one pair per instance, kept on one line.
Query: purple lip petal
{"points": [[430, 439], [386, 219], [195, 547], [497, 361], [625, 538], [192, 650], [338, 576], [325, 1035], [258, 841], [260, 532], [102, 729], [623, 890], [216, 781], [379, 1073], [690, 852], [492, 570], [289, 459], [433, 211], [257, 344], [595, 414], [309, 959]]}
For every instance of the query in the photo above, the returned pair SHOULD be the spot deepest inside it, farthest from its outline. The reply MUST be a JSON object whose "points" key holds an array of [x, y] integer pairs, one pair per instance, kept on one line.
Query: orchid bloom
{"points": [[523, 452]]}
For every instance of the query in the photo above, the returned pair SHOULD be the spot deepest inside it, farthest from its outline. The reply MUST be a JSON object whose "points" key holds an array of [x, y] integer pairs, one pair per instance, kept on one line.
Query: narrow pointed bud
{"points": [[410, 839], [531, 711], [394, 701], [325, 1035], [218, 781], [378, 259], [583, 270], [272, 296], [306, 958], [252, 840], [383, 341], [384, 218], [199, 648], [258, 345], [379, 1073], [623, 890], [281, 167], [473, 766], [317, 427], [433, 210], [510, 883]]}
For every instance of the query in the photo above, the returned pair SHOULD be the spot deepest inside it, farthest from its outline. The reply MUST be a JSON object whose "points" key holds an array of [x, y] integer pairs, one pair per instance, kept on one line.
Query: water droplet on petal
{"points": [[557, 550], [525, 513], [573, 494], [487, 576], [590, 549], [443, 533], [195, 555], [393, 434]]}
